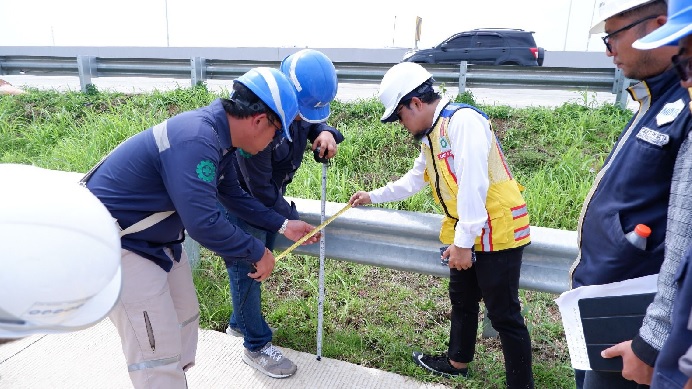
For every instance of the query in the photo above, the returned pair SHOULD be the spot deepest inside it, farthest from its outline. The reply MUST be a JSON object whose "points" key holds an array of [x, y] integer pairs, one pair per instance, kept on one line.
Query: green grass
{"points": [[373, 316]]}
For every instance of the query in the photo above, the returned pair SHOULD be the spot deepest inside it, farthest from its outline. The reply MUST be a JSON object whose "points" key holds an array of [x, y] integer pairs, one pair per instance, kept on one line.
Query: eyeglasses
{"points": [[397, 112], [606, 39], [399, 108], [277, 127], [683, 65]]}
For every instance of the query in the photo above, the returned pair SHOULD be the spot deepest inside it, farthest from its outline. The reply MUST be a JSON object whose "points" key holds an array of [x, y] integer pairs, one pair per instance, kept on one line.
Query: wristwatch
{"points": [[282, 229]]}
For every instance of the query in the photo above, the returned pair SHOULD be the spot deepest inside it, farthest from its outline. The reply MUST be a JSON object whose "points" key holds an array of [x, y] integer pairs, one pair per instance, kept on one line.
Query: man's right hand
{"points": [[360, 198], [633, 368], [263, 267]]}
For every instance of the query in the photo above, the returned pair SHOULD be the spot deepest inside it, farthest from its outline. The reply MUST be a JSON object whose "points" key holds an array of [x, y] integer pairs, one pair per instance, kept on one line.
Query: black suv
{"points": [[483, 46]]}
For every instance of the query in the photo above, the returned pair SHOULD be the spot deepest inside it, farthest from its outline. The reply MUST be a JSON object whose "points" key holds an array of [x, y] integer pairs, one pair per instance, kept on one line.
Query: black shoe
{"points": [[438, 365]]}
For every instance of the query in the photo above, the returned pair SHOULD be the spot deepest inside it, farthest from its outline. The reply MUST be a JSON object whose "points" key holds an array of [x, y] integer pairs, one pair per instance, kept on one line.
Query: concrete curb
{"points": [[92, 358]]}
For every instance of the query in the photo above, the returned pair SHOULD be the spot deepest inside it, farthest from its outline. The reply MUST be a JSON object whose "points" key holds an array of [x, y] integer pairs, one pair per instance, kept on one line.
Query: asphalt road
{"points": [[518, 98]]}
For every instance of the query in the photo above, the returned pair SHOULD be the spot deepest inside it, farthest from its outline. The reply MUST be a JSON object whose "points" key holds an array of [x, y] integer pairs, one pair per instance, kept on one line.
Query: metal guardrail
{"points": [[199, 69], [408, 241]]}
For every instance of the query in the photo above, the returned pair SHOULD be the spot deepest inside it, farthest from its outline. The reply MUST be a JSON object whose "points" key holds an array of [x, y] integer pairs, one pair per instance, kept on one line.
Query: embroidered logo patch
{"points": [[669, 112], [654, 137], [445, 154], [206, 170]]}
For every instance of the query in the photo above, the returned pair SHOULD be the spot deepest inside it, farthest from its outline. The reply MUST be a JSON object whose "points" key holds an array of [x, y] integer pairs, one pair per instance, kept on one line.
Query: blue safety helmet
{"points": [[678, 25], [274, 89], [314, 77]]}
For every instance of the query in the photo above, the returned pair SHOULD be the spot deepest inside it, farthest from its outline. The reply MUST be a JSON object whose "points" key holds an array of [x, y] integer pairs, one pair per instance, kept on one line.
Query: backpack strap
{"points": [[140, 225], [144, 223]]}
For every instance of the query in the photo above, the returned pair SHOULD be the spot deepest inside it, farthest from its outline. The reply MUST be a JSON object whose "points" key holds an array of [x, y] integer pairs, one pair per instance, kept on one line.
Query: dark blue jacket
{"points": [[667, 372], [634, 188], [181, 164], [267, 174]]}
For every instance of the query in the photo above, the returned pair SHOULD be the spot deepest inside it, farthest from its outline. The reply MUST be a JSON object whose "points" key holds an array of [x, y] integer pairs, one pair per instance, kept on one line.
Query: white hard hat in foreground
{"points": [[59, 253]]}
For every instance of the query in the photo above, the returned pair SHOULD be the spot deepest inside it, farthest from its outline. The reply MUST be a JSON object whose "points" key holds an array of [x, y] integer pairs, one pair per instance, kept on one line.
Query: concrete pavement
{"points": [[92, 358]]}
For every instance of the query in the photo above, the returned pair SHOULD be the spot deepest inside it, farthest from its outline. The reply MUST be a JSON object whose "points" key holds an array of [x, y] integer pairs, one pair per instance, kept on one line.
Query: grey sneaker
{"points": [[234, 332], [270, 361], [238, 334]]}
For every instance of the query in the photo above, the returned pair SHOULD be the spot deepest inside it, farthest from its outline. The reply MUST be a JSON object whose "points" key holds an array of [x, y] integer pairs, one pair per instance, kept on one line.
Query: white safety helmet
{"points": [[400, 80], [609, 8], [59, 253]]}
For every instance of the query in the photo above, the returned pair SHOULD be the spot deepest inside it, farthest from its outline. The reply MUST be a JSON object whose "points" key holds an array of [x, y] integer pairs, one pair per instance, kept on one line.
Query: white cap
{"points": [[609, 8]]}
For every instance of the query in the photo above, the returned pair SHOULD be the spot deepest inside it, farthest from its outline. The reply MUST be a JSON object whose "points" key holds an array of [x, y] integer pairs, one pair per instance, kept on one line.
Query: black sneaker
{"points": [[438, 365]]}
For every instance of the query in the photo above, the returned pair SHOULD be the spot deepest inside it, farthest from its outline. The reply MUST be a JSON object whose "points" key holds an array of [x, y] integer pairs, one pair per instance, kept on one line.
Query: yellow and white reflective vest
{"points": [[507, 225]]}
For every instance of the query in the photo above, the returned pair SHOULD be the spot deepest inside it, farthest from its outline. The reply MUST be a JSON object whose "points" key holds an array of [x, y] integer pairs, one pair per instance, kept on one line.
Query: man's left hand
{"points": [[459, 258], [327, 144], [633, 368], [296, 229]]}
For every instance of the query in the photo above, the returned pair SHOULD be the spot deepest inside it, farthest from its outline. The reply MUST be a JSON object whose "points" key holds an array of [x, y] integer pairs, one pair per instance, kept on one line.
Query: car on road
{"points": [[483, 46]]}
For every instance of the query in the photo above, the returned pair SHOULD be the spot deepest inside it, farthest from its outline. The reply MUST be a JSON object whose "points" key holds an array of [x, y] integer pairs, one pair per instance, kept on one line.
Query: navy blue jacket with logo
{"points": [[182, 165], [634, 187], [267, 174]]}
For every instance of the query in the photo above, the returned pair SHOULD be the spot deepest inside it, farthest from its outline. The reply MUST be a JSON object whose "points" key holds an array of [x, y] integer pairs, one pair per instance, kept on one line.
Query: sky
{"points": [[559, 25]]}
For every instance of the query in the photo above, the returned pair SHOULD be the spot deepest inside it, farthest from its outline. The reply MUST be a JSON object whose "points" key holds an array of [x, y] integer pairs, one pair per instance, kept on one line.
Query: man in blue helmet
{"points": [[167, 180], [266, 176]]}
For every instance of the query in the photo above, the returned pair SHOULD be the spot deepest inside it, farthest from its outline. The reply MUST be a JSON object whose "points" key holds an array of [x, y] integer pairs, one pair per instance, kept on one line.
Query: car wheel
{"points": [[541, 56]]}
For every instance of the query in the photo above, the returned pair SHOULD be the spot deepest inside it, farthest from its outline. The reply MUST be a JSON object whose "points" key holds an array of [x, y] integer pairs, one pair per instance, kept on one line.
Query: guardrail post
{"points": [[620, 86], [198, 70], [86, 65], [463, 69]]}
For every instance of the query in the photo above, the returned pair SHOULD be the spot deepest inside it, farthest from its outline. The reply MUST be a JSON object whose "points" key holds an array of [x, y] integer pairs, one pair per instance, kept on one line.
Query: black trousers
{"points": [[494, 278]]}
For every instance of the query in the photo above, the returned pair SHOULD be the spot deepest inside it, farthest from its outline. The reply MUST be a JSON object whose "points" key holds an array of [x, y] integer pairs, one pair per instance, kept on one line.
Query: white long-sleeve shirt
{"points": [[471, 138]]}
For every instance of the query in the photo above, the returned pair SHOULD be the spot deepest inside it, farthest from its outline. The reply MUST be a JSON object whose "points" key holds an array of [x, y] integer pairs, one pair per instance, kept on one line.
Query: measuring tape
{"points": [[313, 232]]}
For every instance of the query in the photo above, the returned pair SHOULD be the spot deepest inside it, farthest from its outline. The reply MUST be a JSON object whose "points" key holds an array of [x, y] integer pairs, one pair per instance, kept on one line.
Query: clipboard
{"points": [[609, 320]]}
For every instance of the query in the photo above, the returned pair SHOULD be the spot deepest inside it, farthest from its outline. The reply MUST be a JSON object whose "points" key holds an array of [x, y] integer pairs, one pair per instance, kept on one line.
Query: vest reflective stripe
{"points": [[190, 320], [154, 363], [507, 225], [161, 136], [521, 233], [519, 211]]}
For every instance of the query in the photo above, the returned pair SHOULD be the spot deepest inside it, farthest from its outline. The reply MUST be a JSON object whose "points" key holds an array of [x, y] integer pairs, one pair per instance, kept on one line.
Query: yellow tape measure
{"points": [[313, 232]]}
